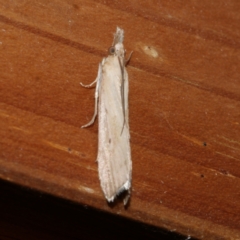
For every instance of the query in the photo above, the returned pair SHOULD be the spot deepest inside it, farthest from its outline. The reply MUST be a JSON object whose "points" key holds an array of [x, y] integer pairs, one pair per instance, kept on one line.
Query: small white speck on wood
{"points": [[111, 105]]}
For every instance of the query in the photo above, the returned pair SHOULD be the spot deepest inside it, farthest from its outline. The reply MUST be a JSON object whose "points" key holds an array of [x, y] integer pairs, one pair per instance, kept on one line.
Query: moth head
{"points": [[117, 50], [117, 46]]}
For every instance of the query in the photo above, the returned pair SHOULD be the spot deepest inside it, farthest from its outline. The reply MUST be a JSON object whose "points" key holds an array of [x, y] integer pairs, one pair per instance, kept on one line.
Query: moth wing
{"points": [[114, 156]]}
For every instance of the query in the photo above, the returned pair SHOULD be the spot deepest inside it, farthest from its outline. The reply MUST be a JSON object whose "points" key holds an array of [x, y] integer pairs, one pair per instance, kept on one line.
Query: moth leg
{"points": [[89, 85], [130, 55], [98, 81]]}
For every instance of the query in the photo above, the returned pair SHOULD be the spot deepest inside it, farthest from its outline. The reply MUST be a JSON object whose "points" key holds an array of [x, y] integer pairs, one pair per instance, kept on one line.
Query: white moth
{"points": [[111, 103]]}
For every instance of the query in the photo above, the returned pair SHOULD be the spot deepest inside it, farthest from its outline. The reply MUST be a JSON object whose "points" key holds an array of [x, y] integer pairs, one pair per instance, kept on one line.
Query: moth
{"points": [[111, 106]]}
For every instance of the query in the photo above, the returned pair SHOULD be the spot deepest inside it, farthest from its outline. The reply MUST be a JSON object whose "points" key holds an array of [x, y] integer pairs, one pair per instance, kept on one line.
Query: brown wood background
{"points": [[184, 106]]}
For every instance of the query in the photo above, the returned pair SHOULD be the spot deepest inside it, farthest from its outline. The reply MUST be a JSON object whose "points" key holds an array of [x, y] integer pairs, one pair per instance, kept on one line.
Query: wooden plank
{"points": [[184, 106]]}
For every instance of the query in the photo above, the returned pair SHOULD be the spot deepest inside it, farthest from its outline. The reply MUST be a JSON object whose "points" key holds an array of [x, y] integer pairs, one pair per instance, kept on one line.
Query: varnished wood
{"points": [[184, 106]]}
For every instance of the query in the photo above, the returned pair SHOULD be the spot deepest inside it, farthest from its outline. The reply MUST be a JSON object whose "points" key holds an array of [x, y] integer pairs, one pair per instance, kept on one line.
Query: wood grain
{"points": [[184, 106]]}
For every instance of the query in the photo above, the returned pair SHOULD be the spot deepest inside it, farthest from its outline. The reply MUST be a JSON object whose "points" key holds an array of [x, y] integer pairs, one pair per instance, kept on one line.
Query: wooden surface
{"points": [[184, 106], [28, 214]]}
